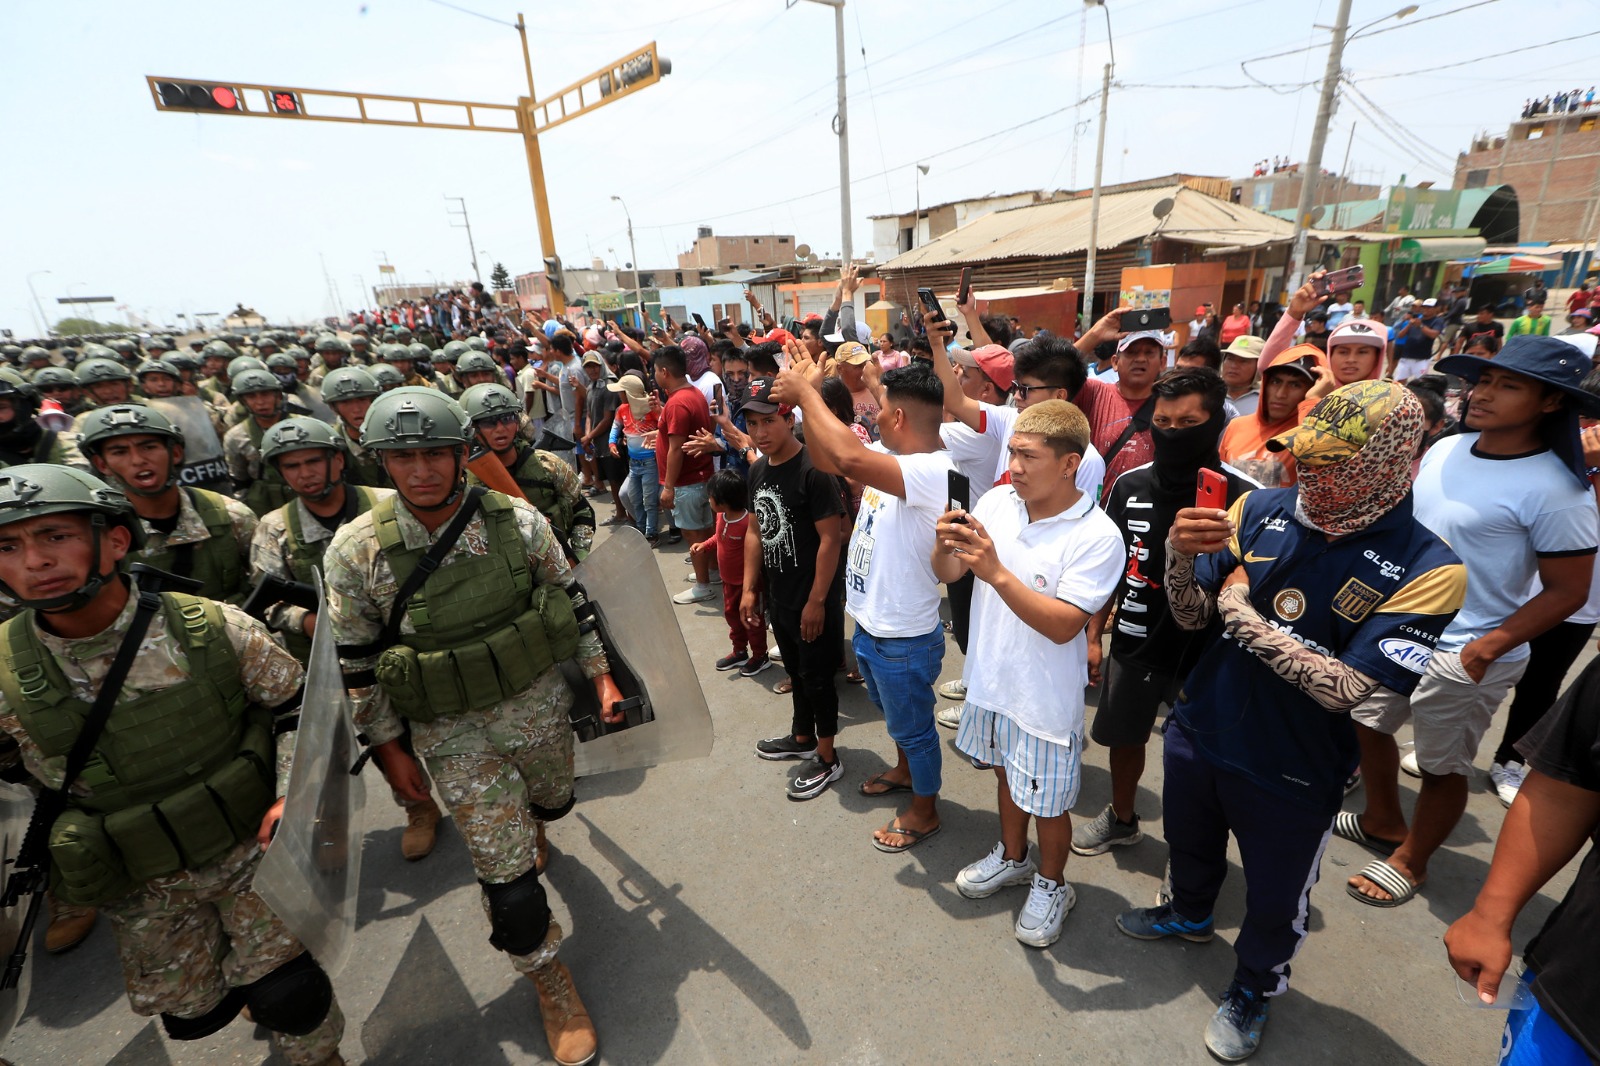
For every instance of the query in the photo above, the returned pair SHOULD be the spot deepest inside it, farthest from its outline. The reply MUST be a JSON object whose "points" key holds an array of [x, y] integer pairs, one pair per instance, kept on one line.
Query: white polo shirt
{"points": [[1012, 668]]}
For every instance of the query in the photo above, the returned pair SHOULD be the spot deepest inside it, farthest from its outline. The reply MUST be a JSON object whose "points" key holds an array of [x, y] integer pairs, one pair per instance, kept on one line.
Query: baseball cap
{"points": [[853, 352], [1163, 339], [996, 363], [1245, 347], [1360, 331], [1341, 423], [1430, 303], [775, 336], [1202, 309], [1302, 358], [1582, 312], [760, 400], [593, 359]]}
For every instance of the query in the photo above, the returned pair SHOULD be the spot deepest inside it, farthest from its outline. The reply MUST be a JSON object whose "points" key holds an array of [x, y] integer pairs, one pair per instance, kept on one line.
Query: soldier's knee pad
{"points": [[293, 999], [551, 814], [519, 914], [210, 1022]]}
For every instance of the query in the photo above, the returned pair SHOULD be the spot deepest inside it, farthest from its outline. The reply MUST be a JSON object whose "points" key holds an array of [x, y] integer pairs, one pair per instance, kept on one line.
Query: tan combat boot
{"points": [[417, 841], [541, 849], [68, 926], [573, 1041]]}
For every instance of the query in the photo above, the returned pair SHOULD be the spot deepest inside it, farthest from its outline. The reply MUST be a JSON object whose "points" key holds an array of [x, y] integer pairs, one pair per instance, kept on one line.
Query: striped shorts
{"points": [[1042, 775]]}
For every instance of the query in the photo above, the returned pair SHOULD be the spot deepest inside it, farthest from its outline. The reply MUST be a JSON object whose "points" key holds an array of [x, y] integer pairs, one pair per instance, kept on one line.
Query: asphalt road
{"points": [[711, 920]]}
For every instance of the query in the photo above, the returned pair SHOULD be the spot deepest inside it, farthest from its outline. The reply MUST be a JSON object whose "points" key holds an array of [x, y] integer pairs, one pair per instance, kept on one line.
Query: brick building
{"points": [[1553, 163], [1280, 191], [714, 254]]}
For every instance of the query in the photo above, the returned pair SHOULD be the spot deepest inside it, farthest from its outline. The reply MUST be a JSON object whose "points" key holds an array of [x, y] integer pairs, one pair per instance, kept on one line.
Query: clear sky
{"points": [[178, 212]]}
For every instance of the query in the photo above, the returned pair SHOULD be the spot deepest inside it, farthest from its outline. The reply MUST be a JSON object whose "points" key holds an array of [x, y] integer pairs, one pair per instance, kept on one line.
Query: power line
{"points": [[474, 14], [1475, 62]]}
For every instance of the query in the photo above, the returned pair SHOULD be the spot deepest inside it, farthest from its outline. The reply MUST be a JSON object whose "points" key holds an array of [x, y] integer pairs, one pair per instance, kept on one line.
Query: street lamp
{"points": [[916, 223], [638, 290], [1099, 165], [841, 126], [44, 323], [1312, 171]]}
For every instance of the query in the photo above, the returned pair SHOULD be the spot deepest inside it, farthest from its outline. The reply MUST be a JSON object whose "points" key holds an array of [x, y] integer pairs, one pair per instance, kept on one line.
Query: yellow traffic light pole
{"points": [[530, 116]]}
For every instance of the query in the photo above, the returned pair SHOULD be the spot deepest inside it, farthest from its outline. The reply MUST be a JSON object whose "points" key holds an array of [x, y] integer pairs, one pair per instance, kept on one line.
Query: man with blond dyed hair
{"points": [[1046, 560]]}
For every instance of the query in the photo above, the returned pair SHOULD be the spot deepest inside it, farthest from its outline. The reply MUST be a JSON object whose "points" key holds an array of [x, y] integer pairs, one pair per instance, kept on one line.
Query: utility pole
{"points": [[638, 291], [466, 223], [1312, 169], [1099, 169], [841, 126]]}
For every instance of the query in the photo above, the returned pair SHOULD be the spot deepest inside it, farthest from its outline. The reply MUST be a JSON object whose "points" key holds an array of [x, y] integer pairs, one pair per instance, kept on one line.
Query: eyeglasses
{"points": [[499, 420], [1024, 391]]}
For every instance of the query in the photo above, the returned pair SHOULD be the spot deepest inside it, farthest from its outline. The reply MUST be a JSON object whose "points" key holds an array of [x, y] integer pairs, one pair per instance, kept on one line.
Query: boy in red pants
{"points": [[730, 501]]}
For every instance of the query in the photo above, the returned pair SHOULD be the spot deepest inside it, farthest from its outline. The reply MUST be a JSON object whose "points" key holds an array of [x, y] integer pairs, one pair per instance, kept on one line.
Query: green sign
{"points": [[1425, 209], [609, 301]]}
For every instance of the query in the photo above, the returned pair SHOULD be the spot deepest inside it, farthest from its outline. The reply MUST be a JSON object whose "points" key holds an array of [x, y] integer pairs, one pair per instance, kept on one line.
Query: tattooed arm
{"points": [[1334, 685], [1191, 604]]}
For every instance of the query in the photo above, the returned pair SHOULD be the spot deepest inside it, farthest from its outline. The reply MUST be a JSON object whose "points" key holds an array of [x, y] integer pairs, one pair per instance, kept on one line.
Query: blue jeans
{"points": [[900, 673], [646, 493]]}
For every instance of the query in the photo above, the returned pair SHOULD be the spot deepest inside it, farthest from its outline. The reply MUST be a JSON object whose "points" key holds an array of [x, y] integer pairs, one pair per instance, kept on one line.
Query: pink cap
{"points": [[1360, 331]]}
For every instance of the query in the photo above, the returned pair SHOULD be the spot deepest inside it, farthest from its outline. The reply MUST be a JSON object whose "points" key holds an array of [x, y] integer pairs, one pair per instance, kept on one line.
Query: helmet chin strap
{"points": [[84, 594]]}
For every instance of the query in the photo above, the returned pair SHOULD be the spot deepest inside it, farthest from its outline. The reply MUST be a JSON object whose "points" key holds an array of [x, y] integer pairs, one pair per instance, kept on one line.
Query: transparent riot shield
{"points": [[667, 719], [16, 808], [203, 465], [311, 871]]}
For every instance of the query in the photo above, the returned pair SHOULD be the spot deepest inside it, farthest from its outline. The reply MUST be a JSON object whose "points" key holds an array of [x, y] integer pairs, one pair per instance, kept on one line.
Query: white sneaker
{"points": [[949, 717], [992, 873], [697, 594], [1507, 780], [953, 690], [1408, 763], [1039, 924]]}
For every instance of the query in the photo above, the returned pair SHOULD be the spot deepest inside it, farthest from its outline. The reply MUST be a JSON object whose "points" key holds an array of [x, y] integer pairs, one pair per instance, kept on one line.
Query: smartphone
{"points": [[960, 492], [1211, 490], [716, 403], [698, 320], [930, 302], [1339, 281], [1146, 318], [966, 287]]}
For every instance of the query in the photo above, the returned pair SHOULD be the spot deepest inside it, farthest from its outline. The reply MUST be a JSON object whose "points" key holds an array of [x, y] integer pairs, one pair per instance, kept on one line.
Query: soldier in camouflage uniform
{"points": [[188, 531], [546, 480], [496, 736], [22, 439], [387, 377], [402, 360], [197, 945], [289, 544], [254, 481], [104, 380], [157, 379], [61, 385], [349, 392], [332, 352], [444, 365]]}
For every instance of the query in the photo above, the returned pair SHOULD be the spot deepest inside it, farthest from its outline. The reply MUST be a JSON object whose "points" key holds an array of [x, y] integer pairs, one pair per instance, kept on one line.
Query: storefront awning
{"points": [[1437, 249]]}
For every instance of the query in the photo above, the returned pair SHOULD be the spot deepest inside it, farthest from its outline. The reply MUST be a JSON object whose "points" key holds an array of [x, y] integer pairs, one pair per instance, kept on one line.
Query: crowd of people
{"points": [[1292, 537], [1567, 101]]}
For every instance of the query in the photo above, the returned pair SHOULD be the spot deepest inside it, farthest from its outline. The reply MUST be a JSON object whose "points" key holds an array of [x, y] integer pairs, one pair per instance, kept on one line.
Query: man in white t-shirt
{"points": [[1046, 559], [1512, 499], [890, 589]]}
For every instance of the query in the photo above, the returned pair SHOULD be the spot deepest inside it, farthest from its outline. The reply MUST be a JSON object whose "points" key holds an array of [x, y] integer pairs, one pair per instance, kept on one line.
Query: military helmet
{"points": [[54, 377], [390, 353], [420, 352], [386, 376], [477, 344], [124, 348], [156, 366], [296, 434], [454, 350], [475, 362], [232, 340], [125, 420], [158, 344], [95, 370], [181, 361], [219, 350], [35, 489], [329, 343], [10, 352], [13, 384], [32, 352], [414, 417], [282, 361], [296, 352], [348, 383], [252, 380], [240, 363], [359, 329], [97, 351], [268, 339], [488, 401]]}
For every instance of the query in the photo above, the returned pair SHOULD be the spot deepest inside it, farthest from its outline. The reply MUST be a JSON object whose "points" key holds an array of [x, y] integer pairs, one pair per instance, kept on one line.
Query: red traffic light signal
{"points": [[197, 96], [285, 102]]}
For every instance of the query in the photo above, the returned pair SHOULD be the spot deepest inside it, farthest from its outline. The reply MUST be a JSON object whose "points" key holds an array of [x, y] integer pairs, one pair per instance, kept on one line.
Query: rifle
{"points": [[271, 589]]}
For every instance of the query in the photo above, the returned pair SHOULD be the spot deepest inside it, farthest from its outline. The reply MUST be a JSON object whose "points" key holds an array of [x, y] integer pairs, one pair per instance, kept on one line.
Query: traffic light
{"points": [[284, 102], [634, 70], [197, 96], [552, 273]]}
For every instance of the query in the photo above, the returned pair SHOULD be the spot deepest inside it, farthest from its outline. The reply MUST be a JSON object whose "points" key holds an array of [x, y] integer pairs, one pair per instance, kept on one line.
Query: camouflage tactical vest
{"points": [[214, 562], [269, 491], [305, 558]]}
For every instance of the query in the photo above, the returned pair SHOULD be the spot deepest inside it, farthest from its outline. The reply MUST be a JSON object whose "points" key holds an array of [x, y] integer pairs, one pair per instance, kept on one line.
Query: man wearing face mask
{"points": [[1150, 654], [1325, 592]]}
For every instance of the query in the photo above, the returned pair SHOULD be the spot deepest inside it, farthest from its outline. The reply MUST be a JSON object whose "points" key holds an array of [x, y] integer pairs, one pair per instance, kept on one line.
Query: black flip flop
{"points": [[879, 779]]}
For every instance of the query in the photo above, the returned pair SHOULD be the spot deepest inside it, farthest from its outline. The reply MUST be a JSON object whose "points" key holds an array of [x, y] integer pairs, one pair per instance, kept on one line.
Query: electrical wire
{"points": [[1399, 126], [474, 14], [1474, 62], [872, 102]]}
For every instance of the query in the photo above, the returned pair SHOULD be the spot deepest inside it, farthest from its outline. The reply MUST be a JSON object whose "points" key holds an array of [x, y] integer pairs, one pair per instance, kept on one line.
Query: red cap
{"points": [[1201, 309], [776, 336], [996, 362]]}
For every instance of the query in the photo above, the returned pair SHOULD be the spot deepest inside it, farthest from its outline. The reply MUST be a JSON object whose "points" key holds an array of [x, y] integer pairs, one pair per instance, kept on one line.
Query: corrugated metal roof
{"points": [[1062, 228]]}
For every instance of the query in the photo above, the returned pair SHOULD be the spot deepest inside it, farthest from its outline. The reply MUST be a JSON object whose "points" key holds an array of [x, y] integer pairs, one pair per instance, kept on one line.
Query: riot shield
{"points": [[312, 869], [667, 719], [16, 807], [203, 464]]}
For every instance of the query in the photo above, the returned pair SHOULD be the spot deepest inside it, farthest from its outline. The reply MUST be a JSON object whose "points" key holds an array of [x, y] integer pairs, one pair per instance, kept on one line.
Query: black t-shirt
{"points": [[1565, 745], [1144, 633], [789, 500]]}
